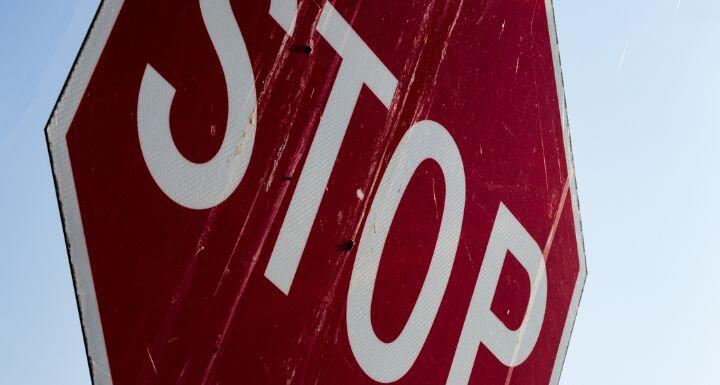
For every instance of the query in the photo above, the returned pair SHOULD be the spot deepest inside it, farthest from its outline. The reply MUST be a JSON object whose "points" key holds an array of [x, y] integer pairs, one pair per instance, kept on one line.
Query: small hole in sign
{"points": [[306, 49], [346, 246]]}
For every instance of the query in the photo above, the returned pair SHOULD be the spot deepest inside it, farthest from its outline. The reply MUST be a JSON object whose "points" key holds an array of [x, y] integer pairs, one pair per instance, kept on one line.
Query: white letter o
{"points": [[388, 362]]}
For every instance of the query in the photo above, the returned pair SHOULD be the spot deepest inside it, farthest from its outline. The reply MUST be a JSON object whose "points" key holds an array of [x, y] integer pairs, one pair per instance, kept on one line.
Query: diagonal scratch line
{"points": [[545, 253], [152, 362], [226, 270]]}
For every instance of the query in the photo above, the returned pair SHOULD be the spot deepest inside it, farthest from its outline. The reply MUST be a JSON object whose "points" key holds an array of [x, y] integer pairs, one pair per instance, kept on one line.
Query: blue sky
{"points": [[642, 84], [40, 342]]}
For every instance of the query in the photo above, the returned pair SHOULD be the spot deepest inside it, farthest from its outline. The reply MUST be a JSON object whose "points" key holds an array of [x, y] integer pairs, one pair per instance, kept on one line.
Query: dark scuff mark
{"points": [[306, 49], [346, 246]]}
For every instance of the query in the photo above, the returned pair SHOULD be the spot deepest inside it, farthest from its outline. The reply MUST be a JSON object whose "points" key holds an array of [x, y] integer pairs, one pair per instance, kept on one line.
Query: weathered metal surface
{"points": [[320, 193]]}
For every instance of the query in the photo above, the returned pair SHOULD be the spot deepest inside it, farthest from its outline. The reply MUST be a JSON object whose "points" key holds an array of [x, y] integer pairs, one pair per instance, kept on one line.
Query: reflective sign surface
{"points": [[320, 193]]}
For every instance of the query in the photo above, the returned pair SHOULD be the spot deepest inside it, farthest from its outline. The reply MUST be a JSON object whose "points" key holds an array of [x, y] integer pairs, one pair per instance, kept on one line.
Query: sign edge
{"points": [[567, 142], [56, 131]]}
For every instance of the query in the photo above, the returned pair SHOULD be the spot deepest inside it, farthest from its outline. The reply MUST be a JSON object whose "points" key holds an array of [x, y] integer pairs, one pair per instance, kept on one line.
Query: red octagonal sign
{"points": [[312, 192]]}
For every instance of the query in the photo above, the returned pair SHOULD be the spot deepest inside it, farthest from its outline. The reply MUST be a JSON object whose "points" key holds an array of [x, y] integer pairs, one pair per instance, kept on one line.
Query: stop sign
{"points": [[320, 192]]}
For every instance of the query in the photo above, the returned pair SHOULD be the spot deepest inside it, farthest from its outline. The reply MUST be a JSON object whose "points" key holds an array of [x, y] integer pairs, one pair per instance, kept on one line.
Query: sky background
{"points": [[642, 81]]}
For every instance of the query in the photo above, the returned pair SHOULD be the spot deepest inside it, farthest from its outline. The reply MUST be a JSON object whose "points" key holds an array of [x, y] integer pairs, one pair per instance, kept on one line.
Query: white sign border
{"points": [[56, 132], [59, 124], [582, 273]]}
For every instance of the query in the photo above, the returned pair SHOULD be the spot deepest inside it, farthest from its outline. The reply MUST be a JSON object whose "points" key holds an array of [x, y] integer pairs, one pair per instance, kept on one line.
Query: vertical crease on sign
{"points": [[264, 96], [244, 280], [226, 270], [245, 275], [546, 253], [289, 118], [178, 298], [307, 341]]}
